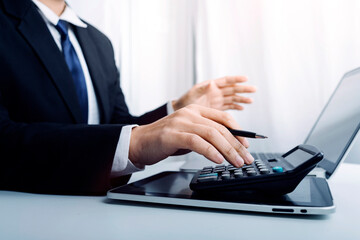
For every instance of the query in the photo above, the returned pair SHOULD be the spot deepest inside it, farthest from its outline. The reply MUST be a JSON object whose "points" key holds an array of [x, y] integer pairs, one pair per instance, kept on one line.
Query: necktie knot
{"points": [[62, 27]]}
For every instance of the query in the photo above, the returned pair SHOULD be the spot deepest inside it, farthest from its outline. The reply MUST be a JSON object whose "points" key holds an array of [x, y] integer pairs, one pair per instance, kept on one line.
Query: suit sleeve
{"points": [[57, 158]]}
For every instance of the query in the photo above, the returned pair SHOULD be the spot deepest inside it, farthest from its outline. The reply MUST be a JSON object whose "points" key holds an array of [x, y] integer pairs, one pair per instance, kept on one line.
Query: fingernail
{"points": [[240, 160], [249, 158], [219, 158]]}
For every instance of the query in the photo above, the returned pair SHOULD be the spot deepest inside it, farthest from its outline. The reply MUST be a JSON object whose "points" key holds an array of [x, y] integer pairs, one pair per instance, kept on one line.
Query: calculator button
{"points": [[250, 169], [205, 172], [264, 171], [238, 171], [225, 176], [207, 179], [232, 168], [220, 166], [218, 170], [207, 168], [251, 173], [278, 169], [208, 175], [238, 174]]}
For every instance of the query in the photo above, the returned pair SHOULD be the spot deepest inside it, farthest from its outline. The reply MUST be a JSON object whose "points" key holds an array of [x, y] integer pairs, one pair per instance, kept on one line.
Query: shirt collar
{"points": [[68, 15]]}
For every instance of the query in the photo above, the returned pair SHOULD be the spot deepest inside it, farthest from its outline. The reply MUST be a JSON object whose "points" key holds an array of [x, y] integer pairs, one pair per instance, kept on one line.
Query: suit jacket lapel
{"points": [[35, 31], [97, 74]]}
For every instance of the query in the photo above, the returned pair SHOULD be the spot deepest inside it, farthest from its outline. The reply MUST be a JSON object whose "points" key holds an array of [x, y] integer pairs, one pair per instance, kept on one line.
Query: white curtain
{"points": [[153, 46], [295, 52]]}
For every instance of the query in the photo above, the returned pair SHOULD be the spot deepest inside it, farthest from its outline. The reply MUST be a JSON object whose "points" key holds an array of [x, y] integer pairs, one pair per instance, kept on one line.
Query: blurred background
{"points": [[295, 52]]}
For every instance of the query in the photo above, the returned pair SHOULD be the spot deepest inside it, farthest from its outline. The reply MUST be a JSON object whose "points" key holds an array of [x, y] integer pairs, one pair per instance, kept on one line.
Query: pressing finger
{"points": [[220, 142], [195, 143], [220, 117], [239, 147], [223, 118]]}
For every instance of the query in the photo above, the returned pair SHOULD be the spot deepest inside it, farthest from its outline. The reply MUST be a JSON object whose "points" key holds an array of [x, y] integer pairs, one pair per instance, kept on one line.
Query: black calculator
{"points": [[279, 175]]}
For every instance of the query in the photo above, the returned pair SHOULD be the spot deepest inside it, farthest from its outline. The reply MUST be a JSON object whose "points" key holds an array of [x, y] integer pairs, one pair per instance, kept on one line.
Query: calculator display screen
{"points": [[297, 157]]}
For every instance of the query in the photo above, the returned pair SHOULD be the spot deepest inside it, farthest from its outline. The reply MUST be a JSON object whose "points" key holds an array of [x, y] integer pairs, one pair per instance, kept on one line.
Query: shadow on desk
{"points": [[212, 210]]}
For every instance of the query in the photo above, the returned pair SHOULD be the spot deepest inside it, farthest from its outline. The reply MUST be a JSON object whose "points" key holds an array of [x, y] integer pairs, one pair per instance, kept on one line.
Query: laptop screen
{"points": [[339, 122]]}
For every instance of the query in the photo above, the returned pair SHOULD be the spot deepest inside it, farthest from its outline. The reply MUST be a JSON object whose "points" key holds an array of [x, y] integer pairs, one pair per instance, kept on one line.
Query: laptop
{"points": [[334, 133]]}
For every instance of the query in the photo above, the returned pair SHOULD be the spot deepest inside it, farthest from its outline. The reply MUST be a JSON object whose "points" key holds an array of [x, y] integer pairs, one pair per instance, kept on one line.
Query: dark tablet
{"points": [[312, 196]]}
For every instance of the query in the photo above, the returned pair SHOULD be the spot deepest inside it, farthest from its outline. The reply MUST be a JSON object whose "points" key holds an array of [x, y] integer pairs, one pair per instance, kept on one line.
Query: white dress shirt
{"points": [[121, 164]]}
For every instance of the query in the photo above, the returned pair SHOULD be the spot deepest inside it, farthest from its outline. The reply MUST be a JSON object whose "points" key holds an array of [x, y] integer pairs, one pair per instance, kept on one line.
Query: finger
{"points": [[203, 125], [234, 140], [230, 90], [195, 143], [230, 80], [221, 117], [232, 106], [222, 144], [237, 99]]}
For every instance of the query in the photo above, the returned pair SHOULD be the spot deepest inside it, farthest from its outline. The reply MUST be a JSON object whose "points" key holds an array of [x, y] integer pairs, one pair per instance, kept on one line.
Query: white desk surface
{"points": [[35, 216]]}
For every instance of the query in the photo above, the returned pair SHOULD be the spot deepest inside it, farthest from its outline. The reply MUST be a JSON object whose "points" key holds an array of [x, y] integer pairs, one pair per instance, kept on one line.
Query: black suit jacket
{"points": [[43, 146]]}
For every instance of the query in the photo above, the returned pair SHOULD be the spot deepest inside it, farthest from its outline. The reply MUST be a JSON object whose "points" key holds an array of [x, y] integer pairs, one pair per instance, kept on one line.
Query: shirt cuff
{"points": [[122, 164], [169, 108]]}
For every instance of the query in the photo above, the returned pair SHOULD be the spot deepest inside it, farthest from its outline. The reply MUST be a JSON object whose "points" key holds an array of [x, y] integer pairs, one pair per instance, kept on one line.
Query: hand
{"points": [[221, 94], [194, 128]]}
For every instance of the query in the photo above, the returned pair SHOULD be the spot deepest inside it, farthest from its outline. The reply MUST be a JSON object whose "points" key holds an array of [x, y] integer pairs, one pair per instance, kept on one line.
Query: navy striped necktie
{"points": [[74, 65]]}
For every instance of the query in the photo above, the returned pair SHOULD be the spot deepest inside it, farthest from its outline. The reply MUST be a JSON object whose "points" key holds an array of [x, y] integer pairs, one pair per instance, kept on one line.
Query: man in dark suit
{"points": [[64, 125]]}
